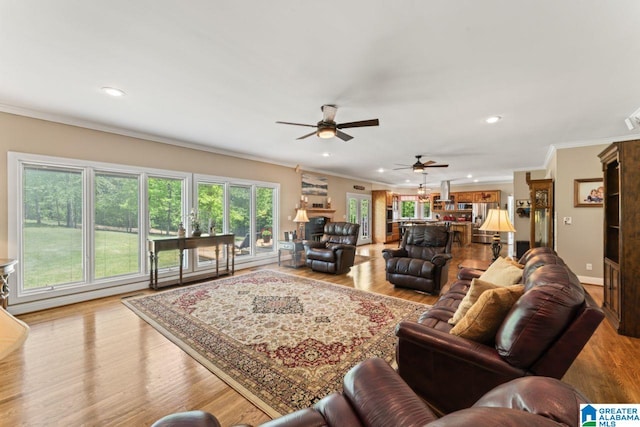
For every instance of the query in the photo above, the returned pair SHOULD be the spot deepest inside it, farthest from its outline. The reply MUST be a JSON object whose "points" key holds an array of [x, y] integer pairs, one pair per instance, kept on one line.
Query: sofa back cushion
{"points": [[538, 261], [539, 317], [425, 241], [502, 273], [343, 233]]}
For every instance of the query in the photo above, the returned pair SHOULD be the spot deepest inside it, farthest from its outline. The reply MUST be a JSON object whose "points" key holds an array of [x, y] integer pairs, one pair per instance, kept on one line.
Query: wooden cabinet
{"points": [[621, 302], [486, 197], [460, 204], [541, 196], [385, 229]]}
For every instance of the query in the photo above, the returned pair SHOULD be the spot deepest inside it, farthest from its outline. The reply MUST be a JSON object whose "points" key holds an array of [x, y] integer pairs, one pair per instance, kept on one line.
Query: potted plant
{"points": [[266, 236]]}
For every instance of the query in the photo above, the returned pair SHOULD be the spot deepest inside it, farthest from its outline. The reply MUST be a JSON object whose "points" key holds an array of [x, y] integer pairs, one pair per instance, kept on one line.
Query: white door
{"points": [[359, 212]]}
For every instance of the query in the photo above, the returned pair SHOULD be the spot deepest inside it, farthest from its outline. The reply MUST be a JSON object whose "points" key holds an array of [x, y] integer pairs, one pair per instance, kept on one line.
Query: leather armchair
{"points": [[422, 260], [336, 251], [374, 395]]}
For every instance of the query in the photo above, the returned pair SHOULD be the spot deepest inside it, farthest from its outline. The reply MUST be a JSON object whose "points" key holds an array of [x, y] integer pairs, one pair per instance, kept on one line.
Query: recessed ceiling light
{"points": [[475, 180], [469, 176], [407, 180], [381, 170], [493, 119], [113, 91], [326, 155]]}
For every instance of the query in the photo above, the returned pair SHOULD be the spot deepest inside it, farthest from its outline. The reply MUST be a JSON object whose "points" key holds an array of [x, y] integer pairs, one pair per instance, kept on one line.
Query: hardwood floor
{"points": [[97, 363]]}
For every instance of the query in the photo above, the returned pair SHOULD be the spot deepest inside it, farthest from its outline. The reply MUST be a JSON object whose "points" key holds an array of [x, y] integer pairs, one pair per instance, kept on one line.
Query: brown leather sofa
{"points": [[422, 260], [541, 335], [374, 395], [336, 251]]}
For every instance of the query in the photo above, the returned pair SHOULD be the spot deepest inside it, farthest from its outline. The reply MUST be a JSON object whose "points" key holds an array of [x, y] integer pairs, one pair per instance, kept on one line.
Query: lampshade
{"points": [[301, 216], [13, 332], [497, 220]]}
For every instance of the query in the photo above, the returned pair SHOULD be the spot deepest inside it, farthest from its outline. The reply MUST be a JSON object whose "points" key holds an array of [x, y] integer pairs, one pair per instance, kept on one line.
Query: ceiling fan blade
{"points": [[307, 135], [329, 112], [343, 136], [428, 162], [436, 166], [361, 123], [398, 169], [297, 124]]}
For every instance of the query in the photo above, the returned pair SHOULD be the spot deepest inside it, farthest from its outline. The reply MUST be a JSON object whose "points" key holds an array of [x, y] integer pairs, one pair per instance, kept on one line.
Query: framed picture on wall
{"points": [[313, 185], [588, 192]]}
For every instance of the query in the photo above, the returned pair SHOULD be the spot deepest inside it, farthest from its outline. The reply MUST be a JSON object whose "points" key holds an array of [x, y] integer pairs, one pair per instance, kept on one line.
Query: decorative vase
{"points": [[196, 233], [181, 231]]}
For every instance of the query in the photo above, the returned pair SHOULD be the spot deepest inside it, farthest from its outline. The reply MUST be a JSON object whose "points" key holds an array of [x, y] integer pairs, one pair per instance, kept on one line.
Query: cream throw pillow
{"points": [[502, 273], [476, 289], [482, 321]]}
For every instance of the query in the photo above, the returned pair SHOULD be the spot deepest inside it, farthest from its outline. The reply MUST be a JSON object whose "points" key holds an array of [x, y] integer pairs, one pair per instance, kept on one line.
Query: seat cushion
{"points": [[321, 254], [410, 266]]}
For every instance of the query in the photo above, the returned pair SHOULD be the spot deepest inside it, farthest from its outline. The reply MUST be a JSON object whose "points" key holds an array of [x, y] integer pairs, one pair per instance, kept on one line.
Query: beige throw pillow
{"points": [[482, 321], [476, 289], [502, 273]]}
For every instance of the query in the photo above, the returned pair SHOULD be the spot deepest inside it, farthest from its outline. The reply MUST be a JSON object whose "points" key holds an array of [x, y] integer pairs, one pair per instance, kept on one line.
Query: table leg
{"points": [[153, 270], [233, 259], [181, 261], [4, 290], [217, 261]]}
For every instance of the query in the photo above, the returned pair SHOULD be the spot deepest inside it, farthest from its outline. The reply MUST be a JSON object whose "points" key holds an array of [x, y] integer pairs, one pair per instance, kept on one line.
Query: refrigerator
{"points": [[479, 213]]}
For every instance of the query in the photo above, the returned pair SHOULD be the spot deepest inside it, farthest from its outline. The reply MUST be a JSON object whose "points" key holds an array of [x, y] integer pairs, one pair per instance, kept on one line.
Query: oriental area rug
{"points": [[281, 340]]}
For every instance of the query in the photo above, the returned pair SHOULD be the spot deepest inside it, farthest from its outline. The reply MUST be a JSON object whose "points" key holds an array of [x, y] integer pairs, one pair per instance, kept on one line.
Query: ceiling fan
{"points": [[419, 166], [328, 128]]}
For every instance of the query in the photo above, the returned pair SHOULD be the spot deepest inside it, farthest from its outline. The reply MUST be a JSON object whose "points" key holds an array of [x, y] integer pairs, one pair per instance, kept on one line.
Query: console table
{"points": [[182, 243], [7, 266], [296, 249]]}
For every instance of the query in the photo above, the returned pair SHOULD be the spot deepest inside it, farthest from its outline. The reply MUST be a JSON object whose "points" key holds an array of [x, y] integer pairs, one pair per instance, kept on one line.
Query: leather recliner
{"points": [[374, 395], [336, 251], [422, 260]]}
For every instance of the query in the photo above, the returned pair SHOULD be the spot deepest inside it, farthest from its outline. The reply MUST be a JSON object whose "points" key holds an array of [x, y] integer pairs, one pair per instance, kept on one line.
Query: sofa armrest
{"points": [[537, 395], [469, 273], [309, 244], [440, 259], [448, 371], [307, 417], [394, 253], [381, 398]]}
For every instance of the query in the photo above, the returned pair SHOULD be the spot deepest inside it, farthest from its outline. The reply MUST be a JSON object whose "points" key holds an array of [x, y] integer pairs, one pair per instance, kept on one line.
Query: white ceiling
{"points": [[221, 73]]}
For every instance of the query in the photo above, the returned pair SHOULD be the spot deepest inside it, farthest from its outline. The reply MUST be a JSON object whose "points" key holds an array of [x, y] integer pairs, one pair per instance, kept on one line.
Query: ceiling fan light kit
{"points": [[328, 128]]}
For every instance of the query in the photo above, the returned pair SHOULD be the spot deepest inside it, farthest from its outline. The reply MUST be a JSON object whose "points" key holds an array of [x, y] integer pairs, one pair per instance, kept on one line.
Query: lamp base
{"points": [[496, 247]]}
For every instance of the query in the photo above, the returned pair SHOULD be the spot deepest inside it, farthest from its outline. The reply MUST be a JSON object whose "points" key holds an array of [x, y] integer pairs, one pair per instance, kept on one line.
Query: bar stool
{"points": [[457, 237]]}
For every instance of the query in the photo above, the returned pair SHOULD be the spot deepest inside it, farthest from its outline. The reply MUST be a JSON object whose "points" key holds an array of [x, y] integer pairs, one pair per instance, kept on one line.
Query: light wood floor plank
{"points": [[97, 363]]}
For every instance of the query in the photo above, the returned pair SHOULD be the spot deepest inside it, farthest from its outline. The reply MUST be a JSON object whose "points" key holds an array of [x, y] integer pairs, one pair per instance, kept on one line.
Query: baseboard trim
{"points": [[591, 280]]}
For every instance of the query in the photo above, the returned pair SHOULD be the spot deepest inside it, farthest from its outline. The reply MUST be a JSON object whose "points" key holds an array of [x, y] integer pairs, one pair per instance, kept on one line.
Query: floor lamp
{"points": [[498, 221], [301, 218]]}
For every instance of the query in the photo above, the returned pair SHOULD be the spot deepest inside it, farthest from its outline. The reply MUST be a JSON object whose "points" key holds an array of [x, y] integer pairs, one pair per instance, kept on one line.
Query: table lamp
{"points": [[301, 218], [498, 221]]}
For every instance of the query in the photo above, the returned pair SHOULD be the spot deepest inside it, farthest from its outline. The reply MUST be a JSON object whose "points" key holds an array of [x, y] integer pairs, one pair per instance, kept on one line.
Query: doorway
{"points": [[359, 212]]}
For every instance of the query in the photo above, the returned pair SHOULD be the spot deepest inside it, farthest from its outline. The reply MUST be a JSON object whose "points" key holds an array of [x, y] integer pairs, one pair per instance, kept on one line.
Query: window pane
{"points": [[117, 244], [165, 215], [353, 210], [264, 219], [364, 222], [210, 211], [52, 227], [426, 209], [408, 209], [240, 217]]}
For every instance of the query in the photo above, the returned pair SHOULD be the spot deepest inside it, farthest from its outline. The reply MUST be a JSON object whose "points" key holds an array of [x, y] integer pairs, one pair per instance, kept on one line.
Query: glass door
{"points": [[359, 212]]}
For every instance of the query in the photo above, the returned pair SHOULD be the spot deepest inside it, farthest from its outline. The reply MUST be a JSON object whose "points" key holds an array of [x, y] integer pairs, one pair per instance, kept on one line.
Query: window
{"points": [[116, 225], [52, 226], [82, 226], [408, 209], [426, 209], [165, 204]]}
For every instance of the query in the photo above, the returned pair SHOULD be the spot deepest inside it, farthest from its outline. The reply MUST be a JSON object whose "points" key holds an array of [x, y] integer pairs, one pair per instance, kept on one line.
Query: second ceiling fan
{"points": [[419, 166], [328, 128]]}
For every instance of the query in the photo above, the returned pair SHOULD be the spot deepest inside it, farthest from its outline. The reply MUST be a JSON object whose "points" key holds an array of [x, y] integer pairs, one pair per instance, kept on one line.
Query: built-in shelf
{"points": [[327, 213]]}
